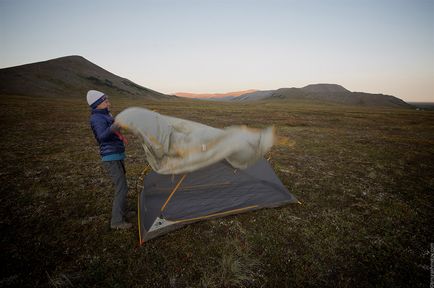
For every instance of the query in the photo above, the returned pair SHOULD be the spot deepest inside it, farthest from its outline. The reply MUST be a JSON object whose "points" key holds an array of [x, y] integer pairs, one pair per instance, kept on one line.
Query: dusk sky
{"points": [[220, 46]]}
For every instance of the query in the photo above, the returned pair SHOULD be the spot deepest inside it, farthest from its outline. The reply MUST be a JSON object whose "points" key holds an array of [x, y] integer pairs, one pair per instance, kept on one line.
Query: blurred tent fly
{"points": [[200, 172]]}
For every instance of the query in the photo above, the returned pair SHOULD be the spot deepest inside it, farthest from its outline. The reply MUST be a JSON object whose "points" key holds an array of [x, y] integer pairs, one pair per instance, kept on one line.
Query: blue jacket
{"points": [[109, 142]]}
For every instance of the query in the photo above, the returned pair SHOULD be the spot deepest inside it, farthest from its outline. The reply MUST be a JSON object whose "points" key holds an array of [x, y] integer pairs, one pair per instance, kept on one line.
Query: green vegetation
{"points": [[364, 177], [97, 81]]}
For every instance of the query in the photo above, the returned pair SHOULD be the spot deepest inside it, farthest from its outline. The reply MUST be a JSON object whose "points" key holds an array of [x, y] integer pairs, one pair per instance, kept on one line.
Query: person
{"points": [[112, 151]]}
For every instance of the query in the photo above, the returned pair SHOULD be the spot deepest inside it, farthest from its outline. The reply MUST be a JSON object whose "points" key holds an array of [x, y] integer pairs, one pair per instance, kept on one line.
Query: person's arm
{"points": [[102, 131]]}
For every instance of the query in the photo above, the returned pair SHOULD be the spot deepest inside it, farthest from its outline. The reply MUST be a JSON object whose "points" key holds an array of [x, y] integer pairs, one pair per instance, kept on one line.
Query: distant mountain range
{"points": [[320, 92], [69, 76], [215, 95], [73, 76]]}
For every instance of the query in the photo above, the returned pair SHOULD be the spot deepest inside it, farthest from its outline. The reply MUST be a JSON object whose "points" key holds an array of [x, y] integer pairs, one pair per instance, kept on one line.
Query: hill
{"points": [[69, 76], [326, 93]]}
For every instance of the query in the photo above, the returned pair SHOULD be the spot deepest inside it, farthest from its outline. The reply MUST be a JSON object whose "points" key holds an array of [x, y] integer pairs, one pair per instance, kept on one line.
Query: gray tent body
{"points": [[169, 202]]}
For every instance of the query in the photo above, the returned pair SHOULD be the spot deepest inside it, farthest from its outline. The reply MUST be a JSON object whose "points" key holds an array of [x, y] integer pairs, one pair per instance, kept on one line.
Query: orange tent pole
{"points": [[173, 192]]}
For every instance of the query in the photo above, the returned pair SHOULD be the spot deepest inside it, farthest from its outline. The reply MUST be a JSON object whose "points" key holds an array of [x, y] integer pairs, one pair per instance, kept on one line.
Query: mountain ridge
{"points": [[75, 75], [69, 76], [213, 95], [333, 93]]}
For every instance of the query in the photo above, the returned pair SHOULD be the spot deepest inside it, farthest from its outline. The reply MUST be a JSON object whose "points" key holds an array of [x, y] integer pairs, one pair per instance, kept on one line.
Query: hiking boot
{"points": [[122, 225]]}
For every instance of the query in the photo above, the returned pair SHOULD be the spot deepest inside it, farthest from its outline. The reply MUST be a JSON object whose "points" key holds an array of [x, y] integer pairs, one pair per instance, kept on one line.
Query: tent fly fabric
{"points": [[174, 146], [168, 202]]}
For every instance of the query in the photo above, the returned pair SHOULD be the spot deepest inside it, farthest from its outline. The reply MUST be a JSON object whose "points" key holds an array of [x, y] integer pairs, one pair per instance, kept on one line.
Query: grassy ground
{"points": [[365, 178]]}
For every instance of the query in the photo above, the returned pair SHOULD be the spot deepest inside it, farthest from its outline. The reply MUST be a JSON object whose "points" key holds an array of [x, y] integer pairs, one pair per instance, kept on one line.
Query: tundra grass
{"points": [[364, 176]]}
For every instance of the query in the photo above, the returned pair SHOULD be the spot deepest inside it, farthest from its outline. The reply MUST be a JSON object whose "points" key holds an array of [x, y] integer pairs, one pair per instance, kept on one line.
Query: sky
{"points": [[205, 46]]}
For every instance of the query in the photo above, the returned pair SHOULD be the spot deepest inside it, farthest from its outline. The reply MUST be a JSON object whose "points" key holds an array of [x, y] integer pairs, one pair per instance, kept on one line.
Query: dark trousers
{"points": [[116, 170]]}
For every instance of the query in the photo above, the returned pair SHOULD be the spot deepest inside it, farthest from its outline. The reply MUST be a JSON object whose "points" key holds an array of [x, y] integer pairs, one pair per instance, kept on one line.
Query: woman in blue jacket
{"points": [[112, 151]]}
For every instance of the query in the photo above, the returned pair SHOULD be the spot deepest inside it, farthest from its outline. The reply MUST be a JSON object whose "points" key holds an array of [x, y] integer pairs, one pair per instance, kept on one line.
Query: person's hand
{"points": [[115, 127]]}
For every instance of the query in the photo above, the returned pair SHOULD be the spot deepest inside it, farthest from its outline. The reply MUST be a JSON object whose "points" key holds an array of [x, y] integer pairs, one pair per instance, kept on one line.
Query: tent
{"points": [[200, 172], [169, 202]]}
